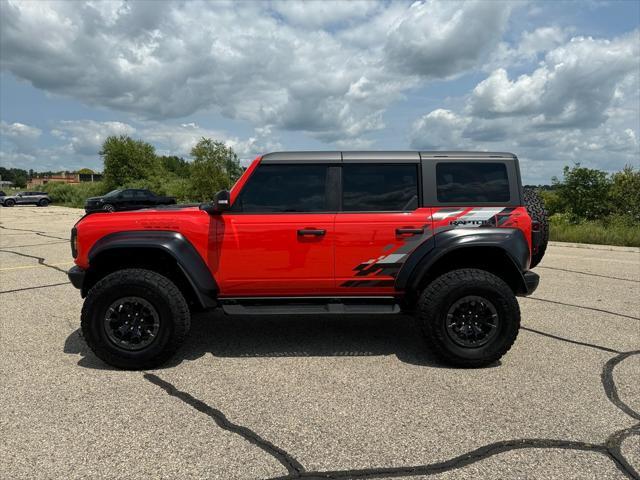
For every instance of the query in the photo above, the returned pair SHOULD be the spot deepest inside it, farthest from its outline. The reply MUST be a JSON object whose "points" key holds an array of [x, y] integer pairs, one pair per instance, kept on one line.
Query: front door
{"points": [[380, 224], [278, 237]]}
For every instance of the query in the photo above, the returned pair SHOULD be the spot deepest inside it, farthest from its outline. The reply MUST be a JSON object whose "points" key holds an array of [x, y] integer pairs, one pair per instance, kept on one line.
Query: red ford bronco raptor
{"points": [[448, 237]]}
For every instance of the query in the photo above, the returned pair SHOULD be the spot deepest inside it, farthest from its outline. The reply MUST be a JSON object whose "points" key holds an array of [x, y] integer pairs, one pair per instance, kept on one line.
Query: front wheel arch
{"points": [[158, 250]]}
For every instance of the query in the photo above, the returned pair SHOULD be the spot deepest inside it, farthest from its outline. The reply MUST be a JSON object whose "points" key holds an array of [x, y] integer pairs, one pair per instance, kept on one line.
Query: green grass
{"points": [[73, 195], [610, 231]]}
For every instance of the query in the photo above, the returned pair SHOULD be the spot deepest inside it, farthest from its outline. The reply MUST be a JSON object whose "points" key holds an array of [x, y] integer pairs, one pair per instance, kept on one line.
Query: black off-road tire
{"points": [[441, 294], [9, 202], [161, 293], [537, 212], [43, 203]]}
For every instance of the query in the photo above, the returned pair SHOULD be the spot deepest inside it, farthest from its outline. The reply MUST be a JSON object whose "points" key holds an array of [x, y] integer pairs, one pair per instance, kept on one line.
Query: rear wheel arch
{"points": [[167, 253], [501, 253]]}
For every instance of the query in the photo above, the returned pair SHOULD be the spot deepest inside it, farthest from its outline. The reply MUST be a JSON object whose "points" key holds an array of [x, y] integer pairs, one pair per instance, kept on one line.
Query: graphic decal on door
{"points": [[389, 264]]}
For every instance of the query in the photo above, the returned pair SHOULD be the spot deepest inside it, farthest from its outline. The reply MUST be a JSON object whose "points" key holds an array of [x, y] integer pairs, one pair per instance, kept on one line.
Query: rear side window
{"points": [[475, 182], [379, 188], [284, 188]]}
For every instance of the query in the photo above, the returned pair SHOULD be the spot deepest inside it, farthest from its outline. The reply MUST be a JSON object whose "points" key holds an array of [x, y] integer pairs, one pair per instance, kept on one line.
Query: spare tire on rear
{"points": [[535, 206]]}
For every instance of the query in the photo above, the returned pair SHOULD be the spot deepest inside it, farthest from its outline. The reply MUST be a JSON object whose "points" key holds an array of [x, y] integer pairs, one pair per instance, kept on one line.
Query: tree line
{"points": [[587, 194], [130, 163], [134, 163]]}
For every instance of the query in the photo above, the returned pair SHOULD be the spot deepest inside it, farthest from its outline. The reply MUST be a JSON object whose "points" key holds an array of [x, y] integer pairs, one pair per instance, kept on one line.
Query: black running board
{"points": [[310, 306]]}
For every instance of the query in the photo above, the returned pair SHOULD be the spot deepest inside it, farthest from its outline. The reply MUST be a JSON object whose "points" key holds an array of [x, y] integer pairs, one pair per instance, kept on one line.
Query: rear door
{"points": [[381, 221], [278, 237]]}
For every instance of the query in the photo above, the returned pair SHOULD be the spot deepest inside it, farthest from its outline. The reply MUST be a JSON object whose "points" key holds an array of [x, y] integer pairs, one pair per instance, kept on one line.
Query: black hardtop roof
{"points": [[379, 155]]}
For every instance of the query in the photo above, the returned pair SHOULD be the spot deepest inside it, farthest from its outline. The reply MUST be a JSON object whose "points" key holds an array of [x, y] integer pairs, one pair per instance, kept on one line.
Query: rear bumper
{"points": [[531, 281], [76, 276]]}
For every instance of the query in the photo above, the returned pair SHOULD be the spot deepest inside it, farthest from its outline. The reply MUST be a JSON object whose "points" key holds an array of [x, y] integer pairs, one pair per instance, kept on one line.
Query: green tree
{"points": [[584, 192], [15, 175], [215, 167], [625, 192], [87, 171], [552, 201], [127, 160], [176, 165]]}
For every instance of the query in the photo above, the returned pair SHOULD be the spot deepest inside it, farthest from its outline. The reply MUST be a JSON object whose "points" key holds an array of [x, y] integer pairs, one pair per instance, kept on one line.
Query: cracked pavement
{"points": [[350, 397]]}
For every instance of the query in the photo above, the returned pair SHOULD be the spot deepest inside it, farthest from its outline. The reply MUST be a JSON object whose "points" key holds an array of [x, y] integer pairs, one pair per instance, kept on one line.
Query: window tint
{"points": [[472, 182], [141, 194], [387, 188], [284, 188]]}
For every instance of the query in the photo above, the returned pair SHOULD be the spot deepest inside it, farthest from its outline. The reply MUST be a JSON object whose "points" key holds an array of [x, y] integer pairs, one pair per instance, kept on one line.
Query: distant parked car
{"points": [[129, 199], [41, 199]]}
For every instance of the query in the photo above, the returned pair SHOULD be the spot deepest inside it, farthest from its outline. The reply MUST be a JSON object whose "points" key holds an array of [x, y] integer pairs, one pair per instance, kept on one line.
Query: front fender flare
{"points": [[177, 246]]}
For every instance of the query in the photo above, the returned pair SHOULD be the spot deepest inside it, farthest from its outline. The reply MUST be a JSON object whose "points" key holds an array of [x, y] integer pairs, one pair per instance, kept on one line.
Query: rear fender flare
{"points": [[177, 246], [509, 240]]}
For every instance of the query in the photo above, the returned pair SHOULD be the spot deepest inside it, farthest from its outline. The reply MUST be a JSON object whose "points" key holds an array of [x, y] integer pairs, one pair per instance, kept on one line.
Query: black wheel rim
{"points": [[472, 321], [131, 323]]}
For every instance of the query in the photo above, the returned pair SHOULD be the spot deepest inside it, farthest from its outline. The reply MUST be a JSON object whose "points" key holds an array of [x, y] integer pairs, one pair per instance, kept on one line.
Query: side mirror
{"points": [[221, 202]]}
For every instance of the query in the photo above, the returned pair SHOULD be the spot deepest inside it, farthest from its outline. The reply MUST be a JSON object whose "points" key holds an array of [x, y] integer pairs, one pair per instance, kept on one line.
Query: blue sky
{"points": [[553, 82]]}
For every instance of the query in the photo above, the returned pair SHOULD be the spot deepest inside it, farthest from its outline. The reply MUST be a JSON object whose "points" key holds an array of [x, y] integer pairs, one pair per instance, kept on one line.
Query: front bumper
{"points": [[76, 276], [531, 281]]}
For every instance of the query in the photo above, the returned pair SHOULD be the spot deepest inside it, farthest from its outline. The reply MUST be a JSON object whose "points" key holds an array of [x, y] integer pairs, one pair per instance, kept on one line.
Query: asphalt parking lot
{"points": [[319, 397]]}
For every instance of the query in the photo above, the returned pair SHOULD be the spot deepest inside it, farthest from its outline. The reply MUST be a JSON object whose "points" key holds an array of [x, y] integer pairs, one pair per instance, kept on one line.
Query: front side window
{"points": [[381, 188], [476, 182], [284, 188]]}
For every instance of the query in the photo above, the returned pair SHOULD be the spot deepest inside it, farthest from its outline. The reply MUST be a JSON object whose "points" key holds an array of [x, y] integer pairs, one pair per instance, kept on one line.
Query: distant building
{"points": [[64, 177], [6, 183]]}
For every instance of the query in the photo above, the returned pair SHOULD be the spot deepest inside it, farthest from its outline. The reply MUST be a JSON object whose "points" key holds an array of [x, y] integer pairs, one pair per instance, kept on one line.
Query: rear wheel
{"points": [[9, 202], [43, 203], [537, 212], [470, 317], [135, 319]]}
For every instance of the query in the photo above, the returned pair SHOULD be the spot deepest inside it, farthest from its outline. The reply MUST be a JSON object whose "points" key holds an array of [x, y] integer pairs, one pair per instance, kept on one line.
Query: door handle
{"points": [[409, 231], [311, 231]]}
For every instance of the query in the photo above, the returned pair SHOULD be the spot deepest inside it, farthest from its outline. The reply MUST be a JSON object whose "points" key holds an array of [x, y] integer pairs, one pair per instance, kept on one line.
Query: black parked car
{"points": [[129, 199]]}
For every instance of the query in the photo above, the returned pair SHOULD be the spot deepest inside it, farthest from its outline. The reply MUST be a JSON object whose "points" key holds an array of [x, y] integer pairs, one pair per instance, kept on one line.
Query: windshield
{"points": [[113, 193]]}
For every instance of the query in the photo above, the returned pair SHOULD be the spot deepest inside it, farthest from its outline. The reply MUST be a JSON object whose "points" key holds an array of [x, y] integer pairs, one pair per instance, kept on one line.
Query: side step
{"points": [[310, 306]]}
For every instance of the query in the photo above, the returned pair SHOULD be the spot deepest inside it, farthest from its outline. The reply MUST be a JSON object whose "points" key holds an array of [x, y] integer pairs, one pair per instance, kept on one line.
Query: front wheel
{"points": [[9, 203], [109, 208], [470, 317], [135, 319]]}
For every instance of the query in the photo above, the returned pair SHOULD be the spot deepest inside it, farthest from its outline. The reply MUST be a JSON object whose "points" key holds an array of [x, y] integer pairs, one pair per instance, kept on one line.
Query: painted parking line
{"points": [[24, 267]]}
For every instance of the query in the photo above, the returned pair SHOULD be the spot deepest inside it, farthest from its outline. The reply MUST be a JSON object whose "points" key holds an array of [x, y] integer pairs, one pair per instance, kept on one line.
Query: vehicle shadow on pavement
{"points": [[290, 336]]}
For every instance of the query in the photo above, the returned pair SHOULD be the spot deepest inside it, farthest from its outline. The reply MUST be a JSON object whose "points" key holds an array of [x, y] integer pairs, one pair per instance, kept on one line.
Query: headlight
{"points": [[74, 242]]}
